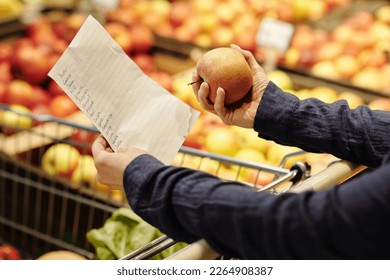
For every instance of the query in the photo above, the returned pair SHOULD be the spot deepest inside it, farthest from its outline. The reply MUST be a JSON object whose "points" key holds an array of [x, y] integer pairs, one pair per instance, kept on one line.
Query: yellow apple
{"points": [[353, 99], [210, 166], [222, 140], [277, 152], [281, 79], [258, 177], [85, 172], [11, 119], [248, 155], [250, 139], [324, 93], [60, 159]]}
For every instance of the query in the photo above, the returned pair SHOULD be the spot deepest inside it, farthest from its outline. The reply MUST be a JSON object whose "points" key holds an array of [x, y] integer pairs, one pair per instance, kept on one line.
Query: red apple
{"points": [[121, 34], [62, 106], [20, 92], [143, 38], [5, 71], [144, 61], [163, 78], [30, 63], [6, 51], [179, 13], [54, 89], [41, 95], [3, 91]]}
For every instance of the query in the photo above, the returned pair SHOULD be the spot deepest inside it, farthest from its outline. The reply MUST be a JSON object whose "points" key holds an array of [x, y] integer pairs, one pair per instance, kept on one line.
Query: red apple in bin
{"points": [[143, 38], [3, 90], [54, 89], [6, 51], [30, 63], [163, 78], [121, 34], [41, 95], [5, 71], [20, 92], [62, 106], [60, 159], [144, 61], [9, 252]]}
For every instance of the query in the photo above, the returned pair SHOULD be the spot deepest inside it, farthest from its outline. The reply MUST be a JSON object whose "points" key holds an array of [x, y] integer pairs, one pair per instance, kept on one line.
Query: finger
{"points": [[203, 95], [100, 144], [254, 65], [219, 104], [109, 149], [196, 82]]}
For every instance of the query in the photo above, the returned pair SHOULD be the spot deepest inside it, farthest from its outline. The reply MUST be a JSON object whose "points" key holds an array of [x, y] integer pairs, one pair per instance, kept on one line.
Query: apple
{"points": [[329, 51], [143, 38], [30, 63], [324, 93], [117, 195], [248, 155], [163, 79], [222, 140], [347, 65], [62, 106], [5, 71], [144, 61], [353, 99], [85, 172], [54, 89], [281, 79], [3, 91], [210, 166], [60, 159], [6, 51], [222, 36], [15, 119], [84, 139], [20, 92], [251, 140], [179, 12], [369, 78], [326, 69], [383, 14], [276, 153], [41, 95], [9, 252], [194, 138], [121, 34], [258, 177], [380, 103], [123, 15]]}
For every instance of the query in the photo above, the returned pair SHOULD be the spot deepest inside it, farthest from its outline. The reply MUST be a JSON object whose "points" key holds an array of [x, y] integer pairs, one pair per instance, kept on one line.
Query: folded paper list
{"points": [[129, 108]]}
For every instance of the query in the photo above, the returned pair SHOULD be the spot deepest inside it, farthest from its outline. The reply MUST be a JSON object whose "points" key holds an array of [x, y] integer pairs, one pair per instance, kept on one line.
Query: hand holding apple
{"points": [[244, 115]]}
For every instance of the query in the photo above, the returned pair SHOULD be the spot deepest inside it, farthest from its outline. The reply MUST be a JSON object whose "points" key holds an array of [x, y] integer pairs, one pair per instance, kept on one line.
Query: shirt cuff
{"points": [[274, 116]]}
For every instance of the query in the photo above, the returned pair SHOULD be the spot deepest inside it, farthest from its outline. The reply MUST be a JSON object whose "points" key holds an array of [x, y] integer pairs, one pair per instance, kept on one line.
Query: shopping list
{"points": [[129, 108]]}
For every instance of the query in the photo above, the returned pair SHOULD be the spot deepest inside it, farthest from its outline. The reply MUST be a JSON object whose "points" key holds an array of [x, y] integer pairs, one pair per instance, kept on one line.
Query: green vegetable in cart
{"points": [[123, 233]]}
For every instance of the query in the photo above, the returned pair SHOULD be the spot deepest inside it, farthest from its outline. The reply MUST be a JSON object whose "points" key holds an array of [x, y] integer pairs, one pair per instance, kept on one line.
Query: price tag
{"points": [[106, 4], [274, 34]]}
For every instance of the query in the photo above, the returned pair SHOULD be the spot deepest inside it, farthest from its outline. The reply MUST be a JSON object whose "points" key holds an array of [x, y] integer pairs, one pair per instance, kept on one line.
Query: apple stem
{"points": [[200, 81]]}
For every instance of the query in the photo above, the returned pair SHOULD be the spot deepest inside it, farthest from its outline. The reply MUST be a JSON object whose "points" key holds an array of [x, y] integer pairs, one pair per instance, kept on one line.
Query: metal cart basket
{"points": [[40, 212]]}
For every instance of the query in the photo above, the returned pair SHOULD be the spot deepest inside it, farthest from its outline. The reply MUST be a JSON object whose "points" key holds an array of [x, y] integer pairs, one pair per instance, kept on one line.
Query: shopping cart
{"points": [[40, 212]]}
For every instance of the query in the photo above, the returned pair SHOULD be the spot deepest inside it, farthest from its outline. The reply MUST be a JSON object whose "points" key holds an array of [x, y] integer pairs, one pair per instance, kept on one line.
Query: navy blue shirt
{"points": [[351, 221]]}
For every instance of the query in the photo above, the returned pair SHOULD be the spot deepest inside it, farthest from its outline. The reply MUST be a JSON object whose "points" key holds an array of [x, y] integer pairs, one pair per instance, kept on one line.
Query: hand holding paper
{"points": [[128, 108]]}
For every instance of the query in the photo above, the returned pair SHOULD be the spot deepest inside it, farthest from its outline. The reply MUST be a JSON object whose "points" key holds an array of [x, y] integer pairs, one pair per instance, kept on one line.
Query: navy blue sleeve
{"points": [[345, 222], [360, 135]]}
